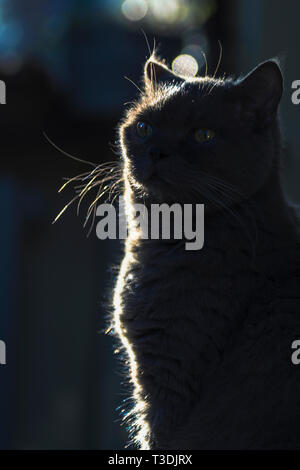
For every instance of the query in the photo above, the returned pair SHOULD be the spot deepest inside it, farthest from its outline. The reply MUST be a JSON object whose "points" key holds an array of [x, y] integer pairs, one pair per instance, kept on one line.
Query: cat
{"points": [[207, 334]]}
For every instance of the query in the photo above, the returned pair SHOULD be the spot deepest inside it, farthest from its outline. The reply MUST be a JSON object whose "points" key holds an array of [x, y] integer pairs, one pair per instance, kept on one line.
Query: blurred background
{"points": [[64, 62]]}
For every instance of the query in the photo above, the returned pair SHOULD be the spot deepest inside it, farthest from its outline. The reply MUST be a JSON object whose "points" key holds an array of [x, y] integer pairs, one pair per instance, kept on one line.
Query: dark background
{"points": [[64, 63]]}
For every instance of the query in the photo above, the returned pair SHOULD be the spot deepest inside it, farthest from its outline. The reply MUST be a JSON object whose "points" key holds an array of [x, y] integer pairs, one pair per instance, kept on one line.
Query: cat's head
{"points": [[192, 139]]}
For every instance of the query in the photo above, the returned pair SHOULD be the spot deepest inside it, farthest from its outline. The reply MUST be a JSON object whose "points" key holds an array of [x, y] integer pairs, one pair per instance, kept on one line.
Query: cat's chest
{"points": [[168, 301], [169, 287]]}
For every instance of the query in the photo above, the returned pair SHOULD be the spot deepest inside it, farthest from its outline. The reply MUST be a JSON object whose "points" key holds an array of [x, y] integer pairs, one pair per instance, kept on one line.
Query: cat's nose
{"points": [[157, 153]]}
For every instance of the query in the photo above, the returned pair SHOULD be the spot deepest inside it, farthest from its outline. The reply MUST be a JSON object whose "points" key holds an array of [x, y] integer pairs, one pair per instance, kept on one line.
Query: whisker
{"points": [[206, 70], [70, 180], [65, 208], [206, 65], [131, 81], [105, 189], [106, 166], [219, 60], [212, 87], [147, 42], [97, 183], [118, 193], [113, 186], [66, 153], [105, 176], [86, 175], [84, 194]]}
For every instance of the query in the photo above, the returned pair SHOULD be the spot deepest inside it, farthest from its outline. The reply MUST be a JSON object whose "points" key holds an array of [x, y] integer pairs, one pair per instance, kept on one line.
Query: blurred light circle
{"points": [[165, 10], [196, 52], [185, 65], [134, 10]]}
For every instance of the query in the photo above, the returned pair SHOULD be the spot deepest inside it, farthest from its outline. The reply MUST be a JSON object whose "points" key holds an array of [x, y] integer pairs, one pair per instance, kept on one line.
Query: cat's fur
{"points": [[208, 333]]}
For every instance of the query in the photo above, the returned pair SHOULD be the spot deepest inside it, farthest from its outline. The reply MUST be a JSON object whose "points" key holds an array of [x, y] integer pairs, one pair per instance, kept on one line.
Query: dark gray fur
{"points": [[212, 330]]}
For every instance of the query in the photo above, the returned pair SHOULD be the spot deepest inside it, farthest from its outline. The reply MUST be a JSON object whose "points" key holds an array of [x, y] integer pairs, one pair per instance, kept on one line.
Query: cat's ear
{"points": [[156, 72], [261, 90]]}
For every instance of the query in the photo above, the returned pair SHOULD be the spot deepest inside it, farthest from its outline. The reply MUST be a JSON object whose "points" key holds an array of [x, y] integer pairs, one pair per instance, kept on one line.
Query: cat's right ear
{"points": [[157, 73], [261, 90]]}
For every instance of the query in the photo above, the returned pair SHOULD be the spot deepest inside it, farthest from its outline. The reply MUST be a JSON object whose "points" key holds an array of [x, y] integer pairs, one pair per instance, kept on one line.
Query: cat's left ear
{"points": [[261, 90], [156, 72]]}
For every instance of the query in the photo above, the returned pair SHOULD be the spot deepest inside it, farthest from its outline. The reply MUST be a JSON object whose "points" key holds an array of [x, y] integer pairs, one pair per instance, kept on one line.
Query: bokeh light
{"points": [[197, 52], [166, 11], [185, 65], [134, 10]]}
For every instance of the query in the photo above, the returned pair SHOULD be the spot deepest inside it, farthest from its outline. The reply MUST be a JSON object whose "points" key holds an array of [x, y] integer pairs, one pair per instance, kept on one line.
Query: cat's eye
{"points": [[204, 135], [143, 129]]}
